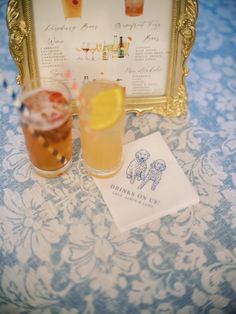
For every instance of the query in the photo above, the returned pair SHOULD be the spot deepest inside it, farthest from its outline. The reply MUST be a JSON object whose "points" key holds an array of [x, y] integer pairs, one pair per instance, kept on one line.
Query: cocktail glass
{"points": [[85, 47], [93, 49], [99, 49], [101, 124], [45, 118], [134, 7], [72, 8], [126, 47]]}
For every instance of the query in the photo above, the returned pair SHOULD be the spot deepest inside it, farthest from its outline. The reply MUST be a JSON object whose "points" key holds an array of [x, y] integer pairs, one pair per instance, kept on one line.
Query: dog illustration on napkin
{"points": [[137, 169], [154, 174], [138, 166]]}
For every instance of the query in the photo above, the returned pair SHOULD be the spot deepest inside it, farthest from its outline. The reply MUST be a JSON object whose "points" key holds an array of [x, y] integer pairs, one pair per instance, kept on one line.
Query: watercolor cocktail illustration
{"points": [[72, 8], [104, 50], [134, 7]]}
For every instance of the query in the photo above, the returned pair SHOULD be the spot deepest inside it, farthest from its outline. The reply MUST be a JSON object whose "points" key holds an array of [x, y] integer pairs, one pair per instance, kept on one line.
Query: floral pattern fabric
{"points": [[60, 251]]}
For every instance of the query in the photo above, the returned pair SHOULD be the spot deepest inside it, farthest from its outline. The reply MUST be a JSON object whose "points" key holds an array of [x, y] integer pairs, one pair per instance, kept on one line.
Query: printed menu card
{"points": [[150, 184], [125, 41]]}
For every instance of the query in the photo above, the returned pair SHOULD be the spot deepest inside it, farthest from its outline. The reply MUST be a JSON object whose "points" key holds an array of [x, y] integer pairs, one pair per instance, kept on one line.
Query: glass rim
{"points": [[41, 79], [24, 113], [21, 92], [105, 81]]}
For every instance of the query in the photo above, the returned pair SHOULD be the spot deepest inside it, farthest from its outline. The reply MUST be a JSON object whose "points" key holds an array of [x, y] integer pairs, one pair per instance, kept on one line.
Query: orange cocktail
{"points": [[134, 7], [72, 8], [101, 122], [45, 117]]}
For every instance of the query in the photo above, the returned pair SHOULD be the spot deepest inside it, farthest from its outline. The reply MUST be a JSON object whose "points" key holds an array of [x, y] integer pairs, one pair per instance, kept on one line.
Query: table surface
{"points": [[60, 251]]}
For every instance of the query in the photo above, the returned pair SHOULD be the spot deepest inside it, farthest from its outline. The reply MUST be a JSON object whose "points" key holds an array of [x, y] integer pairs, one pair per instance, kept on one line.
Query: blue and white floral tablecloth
{"points": [[60, 251]]}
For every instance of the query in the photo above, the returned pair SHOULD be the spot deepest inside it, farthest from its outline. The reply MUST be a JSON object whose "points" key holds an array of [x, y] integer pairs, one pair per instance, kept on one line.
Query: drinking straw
{"points": [[41, 139], [74, 86], [22, 108]]}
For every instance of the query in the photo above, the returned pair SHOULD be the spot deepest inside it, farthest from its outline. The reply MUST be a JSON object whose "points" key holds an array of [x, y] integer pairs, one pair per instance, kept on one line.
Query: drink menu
{"points": [[124, 40]]}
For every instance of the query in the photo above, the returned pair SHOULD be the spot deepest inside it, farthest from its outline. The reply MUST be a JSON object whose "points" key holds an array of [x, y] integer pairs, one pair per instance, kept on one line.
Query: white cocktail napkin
{"points": [[149, 185]]}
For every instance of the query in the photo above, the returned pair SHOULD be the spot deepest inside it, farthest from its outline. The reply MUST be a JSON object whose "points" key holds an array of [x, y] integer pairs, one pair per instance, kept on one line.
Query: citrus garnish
{"points": [[106, 107]]}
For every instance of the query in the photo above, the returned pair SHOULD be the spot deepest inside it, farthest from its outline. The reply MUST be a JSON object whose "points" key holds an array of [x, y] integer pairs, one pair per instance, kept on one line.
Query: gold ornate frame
{"points": [[174, 103]]}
